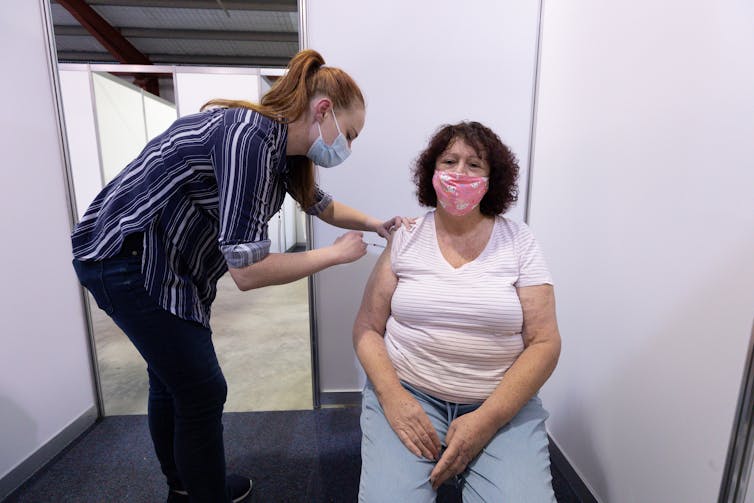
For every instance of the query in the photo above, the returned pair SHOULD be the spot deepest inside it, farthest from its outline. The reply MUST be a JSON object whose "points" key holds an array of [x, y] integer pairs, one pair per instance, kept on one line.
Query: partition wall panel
{"points": [[642, 200], [81, 133], [46, 384], [420, 64]]}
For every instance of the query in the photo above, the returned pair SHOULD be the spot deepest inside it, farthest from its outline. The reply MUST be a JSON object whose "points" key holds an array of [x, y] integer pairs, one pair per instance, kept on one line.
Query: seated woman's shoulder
{"points": [[512, 227], [512, 223], [404, 234]]}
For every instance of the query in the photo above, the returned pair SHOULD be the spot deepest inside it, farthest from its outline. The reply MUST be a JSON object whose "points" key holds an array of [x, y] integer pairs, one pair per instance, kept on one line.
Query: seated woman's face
{"points": [[461, 158]]}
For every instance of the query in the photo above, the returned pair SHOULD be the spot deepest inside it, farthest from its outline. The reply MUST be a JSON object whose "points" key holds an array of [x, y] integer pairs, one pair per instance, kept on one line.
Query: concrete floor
{"points": [[261, 338]]}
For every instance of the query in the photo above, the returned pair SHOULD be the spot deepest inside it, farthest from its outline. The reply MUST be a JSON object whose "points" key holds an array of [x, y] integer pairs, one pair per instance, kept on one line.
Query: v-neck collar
{"points": [[433, 227]]}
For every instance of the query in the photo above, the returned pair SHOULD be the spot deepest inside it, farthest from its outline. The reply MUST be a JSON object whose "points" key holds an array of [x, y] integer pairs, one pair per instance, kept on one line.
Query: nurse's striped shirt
{"points": [[202, 193], [454, 332]]}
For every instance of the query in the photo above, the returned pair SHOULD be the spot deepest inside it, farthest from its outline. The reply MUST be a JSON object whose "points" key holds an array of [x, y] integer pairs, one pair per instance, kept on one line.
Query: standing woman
{"points": [[194, 204]]}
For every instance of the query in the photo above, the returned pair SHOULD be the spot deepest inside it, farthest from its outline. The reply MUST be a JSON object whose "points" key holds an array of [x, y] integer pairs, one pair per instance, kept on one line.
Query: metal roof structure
{"points": [[257, 33]]}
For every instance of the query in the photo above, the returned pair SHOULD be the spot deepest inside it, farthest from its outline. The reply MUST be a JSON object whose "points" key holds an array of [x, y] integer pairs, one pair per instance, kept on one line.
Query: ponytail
{"points": [[289, 96]]}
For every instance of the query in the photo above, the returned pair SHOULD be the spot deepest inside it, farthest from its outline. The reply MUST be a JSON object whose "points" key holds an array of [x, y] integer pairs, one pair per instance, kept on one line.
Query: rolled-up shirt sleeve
{"points": [[246, 152], [245, 254], [323, 201]]}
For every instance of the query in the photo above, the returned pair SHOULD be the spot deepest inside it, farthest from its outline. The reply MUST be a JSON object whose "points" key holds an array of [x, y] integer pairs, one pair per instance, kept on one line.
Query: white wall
{"points": [[642, 200], [45, 376], [159, 114], [420, 64], [75, 87], [120, 122], [289, 222], [127, 118], [195, 89], [300, 226]]}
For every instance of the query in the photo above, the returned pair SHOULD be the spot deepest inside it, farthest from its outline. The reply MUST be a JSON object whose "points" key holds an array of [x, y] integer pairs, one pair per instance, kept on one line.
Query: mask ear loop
{"points": [[337, 126]]}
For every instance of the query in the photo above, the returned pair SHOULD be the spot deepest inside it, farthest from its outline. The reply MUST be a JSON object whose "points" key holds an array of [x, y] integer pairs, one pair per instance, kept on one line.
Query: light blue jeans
{"points": [[513, 467]]}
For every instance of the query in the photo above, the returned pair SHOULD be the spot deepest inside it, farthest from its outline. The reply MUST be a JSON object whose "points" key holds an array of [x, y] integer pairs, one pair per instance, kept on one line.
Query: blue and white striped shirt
{"points": [[202, 193]]}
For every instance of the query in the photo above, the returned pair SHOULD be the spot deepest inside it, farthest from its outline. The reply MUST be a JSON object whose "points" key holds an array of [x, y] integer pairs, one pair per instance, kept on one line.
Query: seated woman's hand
{"points": [[467, 436], [409, 421]]}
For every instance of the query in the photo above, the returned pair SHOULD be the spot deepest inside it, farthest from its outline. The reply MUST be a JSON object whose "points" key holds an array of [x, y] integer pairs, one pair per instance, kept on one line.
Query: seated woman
{"points": [[457, 333]]}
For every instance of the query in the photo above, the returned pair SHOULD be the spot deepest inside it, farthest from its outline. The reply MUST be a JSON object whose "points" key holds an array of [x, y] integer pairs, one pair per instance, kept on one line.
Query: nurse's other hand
{"points": [[349, 247], [389, 226]]}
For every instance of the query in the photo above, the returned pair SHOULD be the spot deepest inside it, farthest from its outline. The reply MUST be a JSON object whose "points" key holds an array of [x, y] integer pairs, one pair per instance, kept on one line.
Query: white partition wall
{"points": [[120, 122], [81, 132], [159, 114], [46, 385], [195, 88], [420, 64], [127, 118], [643, 200]]}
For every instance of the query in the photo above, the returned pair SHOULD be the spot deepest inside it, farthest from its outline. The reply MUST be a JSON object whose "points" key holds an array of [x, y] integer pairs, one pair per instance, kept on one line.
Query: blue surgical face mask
{"points": [[328, 156]]}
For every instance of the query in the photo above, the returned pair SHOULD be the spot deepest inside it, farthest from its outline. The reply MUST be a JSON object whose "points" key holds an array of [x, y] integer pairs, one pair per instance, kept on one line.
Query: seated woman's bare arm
{"points": [[535, 364], [403, 412], [369, 327]]}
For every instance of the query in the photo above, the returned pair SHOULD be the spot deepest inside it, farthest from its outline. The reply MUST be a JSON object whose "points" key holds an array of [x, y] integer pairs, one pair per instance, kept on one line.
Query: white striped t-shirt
{"points": [[453, 333]]}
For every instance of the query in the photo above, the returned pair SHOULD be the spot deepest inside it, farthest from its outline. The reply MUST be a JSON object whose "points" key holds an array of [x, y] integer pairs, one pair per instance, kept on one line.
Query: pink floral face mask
{"points": [[459, 194]]}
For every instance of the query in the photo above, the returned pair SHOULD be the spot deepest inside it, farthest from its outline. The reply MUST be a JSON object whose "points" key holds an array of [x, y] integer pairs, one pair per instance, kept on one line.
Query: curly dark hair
{"points": [[503, 188]]}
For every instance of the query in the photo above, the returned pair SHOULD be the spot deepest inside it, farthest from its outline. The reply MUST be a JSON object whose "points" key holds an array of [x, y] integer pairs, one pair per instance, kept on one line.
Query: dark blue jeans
{"points": [[187, 389]]}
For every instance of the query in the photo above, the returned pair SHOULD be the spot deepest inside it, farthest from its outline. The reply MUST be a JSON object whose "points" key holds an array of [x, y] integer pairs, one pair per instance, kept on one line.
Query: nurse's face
{"points": [[350, 120]]}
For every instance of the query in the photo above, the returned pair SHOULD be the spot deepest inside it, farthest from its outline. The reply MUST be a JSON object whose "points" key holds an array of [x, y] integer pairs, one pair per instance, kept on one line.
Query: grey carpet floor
{"points": [[295, 456]]}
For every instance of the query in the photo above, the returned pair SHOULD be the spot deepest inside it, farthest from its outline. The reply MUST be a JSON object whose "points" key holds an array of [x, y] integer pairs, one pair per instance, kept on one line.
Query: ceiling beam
{"points": [[110, 38], [242, 36], [181, 59], [253, 5]]}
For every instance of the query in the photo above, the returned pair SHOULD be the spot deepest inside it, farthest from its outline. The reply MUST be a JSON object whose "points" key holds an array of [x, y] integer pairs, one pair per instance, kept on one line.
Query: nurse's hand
{"points": [[349, 247], [385, 228]]}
